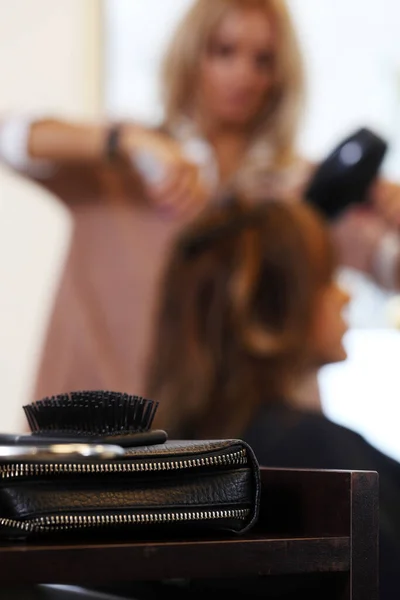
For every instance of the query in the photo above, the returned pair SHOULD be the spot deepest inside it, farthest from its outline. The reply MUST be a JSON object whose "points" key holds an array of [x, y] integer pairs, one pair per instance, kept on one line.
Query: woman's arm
{"points": [[385, 197], [34, 146], [62, 141], [368, 239], [365, 242]]}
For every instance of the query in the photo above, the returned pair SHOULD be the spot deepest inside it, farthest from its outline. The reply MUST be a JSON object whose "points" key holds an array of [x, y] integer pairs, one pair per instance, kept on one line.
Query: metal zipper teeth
{"points": [[39, 469], [69, 522]]}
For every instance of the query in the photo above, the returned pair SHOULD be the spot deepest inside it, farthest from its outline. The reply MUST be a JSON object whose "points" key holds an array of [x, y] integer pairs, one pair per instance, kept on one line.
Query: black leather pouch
{"points": [[167, 489]]}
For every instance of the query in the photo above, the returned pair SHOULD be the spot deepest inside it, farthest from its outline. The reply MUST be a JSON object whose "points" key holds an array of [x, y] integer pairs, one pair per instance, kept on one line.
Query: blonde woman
{"points": [[233, 93]]}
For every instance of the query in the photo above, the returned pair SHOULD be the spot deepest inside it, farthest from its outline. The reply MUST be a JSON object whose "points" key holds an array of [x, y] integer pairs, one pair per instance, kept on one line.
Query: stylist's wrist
{"points": [[131, 137]]}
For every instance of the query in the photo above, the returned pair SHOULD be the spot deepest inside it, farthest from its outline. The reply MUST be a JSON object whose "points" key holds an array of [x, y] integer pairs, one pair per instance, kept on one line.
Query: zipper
{"points": [[55, 523], [15, 470]]}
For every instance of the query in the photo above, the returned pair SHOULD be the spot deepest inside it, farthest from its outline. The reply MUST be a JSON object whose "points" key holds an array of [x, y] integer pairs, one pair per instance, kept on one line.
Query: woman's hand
{"points": [[357, 234], [172, 183], [385, 197]]}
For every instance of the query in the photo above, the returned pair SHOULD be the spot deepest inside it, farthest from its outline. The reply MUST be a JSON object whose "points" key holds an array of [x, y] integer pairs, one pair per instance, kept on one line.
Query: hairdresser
{"points": [[233, 94]]}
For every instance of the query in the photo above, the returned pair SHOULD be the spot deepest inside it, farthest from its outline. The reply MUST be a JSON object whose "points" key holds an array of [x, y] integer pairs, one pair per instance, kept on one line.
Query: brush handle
{"points": [[145, 438]]}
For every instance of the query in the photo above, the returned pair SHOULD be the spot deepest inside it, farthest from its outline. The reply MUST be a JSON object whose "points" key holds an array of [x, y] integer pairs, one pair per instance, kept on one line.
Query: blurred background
{"points": [[99, 59]]}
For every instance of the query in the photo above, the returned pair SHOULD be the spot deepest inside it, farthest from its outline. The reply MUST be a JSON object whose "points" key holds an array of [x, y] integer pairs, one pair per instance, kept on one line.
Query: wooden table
{"points": [[313, 525]]}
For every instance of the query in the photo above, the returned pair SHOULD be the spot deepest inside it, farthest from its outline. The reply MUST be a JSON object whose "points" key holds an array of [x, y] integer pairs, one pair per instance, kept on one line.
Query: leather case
{"points": [[167, 489]]}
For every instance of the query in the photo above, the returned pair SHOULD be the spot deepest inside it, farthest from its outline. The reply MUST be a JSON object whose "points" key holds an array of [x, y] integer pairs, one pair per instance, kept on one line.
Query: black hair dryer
{"points": [[344, 177]]}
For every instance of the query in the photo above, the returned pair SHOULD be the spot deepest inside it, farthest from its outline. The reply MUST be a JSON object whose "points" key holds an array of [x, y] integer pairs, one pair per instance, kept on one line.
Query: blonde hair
{"points": [[235, 315], [279, 122]]}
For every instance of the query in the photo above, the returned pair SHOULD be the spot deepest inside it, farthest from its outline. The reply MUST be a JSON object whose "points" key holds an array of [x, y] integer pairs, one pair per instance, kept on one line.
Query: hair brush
{"points": [[100, 417]]}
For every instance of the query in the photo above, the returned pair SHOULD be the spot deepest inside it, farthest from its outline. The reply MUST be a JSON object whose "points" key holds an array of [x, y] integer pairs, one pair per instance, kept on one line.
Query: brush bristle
{"points": [[91, 413]]}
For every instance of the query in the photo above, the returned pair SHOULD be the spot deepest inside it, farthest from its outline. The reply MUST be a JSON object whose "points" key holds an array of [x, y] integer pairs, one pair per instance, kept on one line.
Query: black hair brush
{"points": [[100, 417]]}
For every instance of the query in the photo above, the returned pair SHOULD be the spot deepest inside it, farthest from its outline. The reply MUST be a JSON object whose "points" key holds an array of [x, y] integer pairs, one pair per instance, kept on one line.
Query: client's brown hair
{"points": [[235, 315]]}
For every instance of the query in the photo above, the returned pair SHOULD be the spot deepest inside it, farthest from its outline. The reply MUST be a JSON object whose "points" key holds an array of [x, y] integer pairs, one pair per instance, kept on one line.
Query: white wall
{"points": [[49, 63], [50, 56], [352, 56], [136, 33]]}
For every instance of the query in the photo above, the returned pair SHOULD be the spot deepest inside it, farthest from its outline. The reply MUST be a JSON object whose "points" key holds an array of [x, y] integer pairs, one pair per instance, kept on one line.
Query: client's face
{"points": [[329, 325], [237, 69]]}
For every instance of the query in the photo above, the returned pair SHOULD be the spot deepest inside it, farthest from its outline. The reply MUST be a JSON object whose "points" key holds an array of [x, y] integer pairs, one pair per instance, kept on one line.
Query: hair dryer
{"points": [[341, 180], [344, 177]]}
